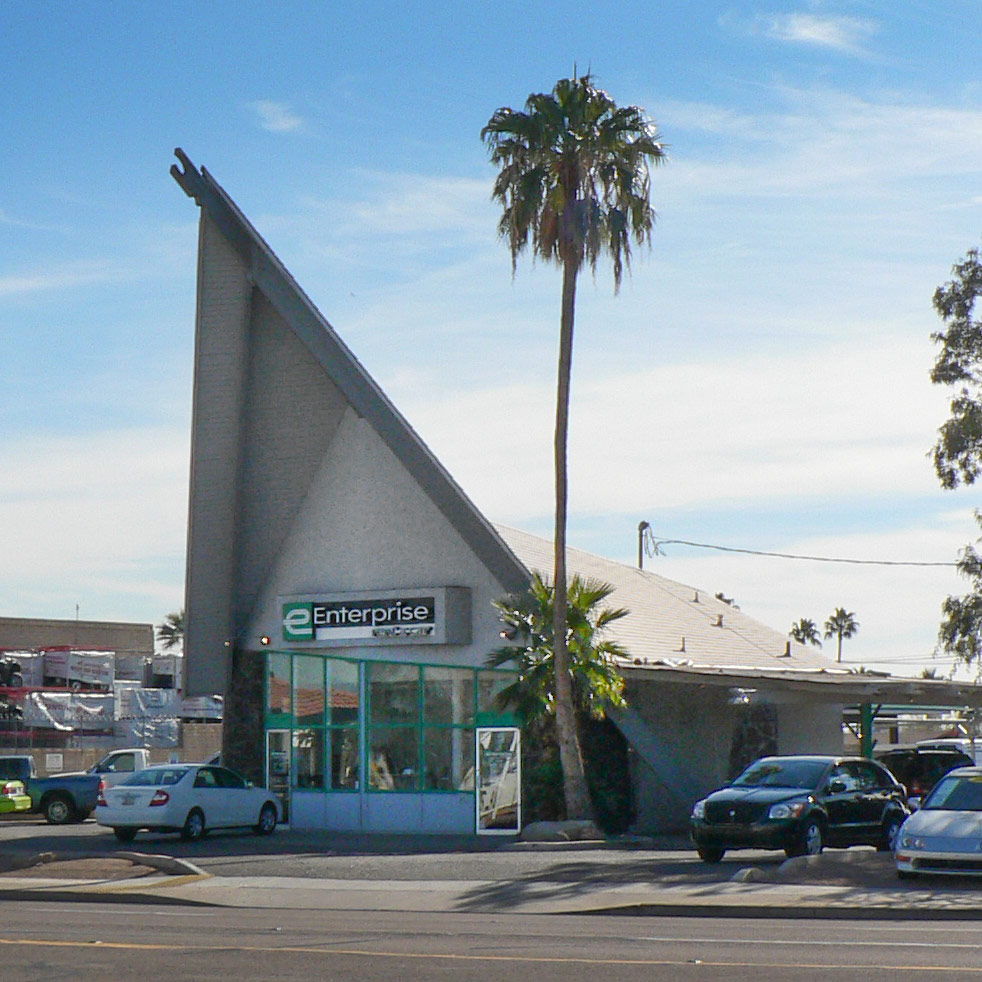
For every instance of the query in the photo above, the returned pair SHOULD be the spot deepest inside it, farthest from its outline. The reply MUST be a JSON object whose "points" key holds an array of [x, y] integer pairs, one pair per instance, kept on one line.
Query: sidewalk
{"points": [[160, 879]]}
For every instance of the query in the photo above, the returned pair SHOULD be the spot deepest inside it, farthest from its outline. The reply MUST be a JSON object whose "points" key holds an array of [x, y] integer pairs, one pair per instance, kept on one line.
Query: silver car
{"points": [[945, 835]]}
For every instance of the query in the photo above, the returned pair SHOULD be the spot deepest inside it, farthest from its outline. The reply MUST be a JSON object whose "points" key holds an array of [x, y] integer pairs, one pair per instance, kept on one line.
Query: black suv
{"points": [[800, 805], [919, 769]]}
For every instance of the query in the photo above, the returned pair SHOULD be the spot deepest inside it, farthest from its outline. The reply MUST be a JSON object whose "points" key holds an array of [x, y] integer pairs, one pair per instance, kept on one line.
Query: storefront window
{"points": [[308, 759], [448, 696], [448, 757], [393, 758], [344, 758], [278, 684], [489, 686], [342, 681], [394, 694], [308, 690]]}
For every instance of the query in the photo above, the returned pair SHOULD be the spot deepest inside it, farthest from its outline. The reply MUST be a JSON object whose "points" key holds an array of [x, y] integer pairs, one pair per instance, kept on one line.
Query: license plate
{"points": [[128, 799]]}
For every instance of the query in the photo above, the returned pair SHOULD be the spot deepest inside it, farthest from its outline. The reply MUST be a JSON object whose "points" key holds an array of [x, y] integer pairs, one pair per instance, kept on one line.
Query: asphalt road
{"points": [[91, 942]]}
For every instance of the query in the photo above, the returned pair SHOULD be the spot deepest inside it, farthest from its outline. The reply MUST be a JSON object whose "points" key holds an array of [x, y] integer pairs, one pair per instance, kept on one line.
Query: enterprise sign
{"points": [[393, 616]]}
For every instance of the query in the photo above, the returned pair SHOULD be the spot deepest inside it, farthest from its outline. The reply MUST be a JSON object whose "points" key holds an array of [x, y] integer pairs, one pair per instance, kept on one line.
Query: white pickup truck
{"points": [[119, 764]]}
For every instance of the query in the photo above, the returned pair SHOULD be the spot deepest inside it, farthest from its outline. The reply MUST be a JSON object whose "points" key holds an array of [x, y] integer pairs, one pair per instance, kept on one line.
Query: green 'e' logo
{"points": [[298, 622]]}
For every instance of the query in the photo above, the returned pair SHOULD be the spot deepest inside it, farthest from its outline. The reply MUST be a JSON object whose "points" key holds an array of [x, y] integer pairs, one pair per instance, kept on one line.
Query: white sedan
{"points": [[188, 798], [945, 834]]}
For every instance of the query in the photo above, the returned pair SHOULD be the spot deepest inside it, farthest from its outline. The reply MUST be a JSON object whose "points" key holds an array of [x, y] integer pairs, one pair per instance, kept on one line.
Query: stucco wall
{"points": [[366, 525], [809, 729]]}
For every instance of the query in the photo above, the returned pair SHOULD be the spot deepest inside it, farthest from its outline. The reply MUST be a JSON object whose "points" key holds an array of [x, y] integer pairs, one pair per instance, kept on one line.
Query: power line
{"points": [[654, 543]]}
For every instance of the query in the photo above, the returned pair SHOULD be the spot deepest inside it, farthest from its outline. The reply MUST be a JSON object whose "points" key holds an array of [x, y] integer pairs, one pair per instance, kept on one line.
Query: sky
{"points": [[760, 381]]}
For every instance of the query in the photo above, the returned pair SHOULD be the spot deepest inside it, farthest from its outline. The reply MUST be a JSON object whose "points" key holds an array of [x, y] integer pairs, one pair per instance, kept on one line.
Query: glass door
{"points": [[278, 769], [499, 780]]}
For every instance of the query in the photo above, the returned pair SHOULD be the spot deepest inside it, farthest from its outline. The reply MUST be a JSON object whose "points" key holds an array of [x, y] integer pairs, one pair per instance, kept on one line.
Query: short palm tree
{"points": [[170, 634], [573, 182], [595, 680], [804, 631], [841, 624]]}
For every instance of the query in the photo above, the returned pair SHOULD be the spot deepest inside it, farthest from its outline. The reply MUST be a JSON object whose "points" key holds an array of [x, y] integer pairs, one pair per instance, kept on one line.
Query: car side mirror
{"points": [[837, 785]]}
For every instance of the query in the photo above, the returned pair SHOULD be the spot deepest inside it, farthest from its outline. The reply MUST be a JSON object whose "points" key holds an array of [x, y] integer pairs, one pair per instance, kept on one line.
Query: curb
{"points": [[165, 864]]}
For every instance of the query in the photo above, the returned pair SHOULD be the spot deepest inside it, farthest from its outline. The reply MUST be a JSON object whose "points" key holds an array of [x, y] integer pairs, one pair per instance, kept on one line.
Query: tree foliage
{"points": [[804, 631], [960, 633], [528, 625], [573, 183], [170, 634], [841, 624], [958, 452]]}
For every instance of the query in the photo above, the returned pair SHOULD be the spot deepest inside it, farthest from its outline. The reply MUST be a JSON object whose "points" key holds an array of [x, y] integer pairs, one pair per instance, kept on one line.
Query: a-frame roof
{"points": [[272, 278]]}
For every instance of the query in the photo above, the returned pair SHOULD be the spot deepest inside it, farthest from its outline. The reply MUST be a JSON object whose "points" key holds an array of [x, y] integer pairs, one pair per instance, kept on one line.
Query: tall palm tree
{"points": [[170, 634], [841, 624], [804, 631], [573, 182], [529, 626]]}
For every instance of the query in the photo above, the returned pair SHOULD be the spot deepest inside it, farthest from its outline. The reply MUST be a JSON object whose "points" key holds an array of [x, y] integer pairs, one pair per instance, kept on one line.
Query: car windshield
{"points": [[775, 773], [958, 794], [155, 777]]}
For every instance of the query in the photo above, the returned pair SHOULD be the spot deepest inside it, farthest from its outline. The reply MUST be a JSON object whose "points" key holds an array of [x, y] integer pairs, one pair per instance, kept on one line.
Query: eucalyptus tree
{"points": [[804, 631], [574, 185], [841, 624], [957, 453]]}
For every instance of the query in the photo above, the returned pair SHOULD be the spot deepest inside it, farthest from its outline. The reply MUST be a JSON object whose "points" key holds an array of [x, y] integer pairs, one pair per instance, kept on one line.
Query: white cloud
{"points": [[99, 519], [858, 420], [839, 33], [276, 117]]}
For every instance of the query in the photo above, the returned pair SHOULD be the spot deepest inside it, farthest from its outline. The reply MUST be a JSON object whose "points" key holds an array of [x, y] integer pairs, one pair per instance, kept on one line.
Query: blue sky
{"points": [[761, 381]]}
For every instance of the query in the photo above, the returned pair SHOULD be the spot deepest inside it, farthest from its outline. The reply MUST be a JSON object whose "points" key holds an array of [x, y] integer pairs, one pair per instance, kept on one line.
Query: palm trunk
{"points": [[574, 779]]}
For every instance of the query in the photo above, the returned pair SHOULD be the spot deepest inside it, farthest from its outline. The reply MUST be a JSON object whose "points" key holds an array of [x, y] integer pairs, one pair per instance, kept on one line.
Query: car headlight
{"points": [[699, 809], [911, 842], [783, 811]]}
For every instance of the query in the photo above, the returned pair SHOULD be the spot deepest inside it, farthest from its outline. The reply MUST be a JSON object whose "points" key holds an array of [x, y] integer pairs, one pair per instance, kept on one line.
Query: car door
{"points": [[239, 806], [841, 797], [878, 791], [209, 795]]}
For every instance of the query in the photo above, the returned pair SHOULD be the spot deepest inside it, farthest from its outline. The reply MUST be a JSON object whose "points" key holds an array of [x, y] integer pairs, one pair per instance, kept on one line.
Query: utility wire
{"points": [[653, 546]]}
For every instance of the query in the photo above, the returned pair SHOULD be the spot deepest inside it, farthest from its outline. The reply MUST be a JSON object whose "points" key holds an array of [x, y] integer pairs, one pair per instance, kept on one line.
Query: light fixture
{"points": [[264, 640]]}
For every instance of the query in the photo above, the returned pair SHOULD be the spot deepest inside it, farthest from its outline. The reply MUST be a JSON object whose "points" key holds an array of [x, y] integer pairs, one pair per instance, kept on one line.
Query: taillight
{"points": [[102, 785], [11, 788], [159, 798], [101, 799]]}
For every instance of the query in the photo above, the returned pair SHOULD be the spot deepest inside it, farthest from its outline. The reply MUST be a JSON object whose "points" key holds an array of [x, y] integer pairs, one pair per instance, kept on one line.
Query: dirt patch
{"points": [[83, 869]]}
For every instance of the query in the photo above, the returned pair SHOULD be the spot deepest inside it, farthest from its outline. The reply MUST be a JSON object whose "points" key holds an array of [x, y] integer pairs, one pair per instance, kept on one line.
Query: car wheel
{"points": [[124, 835], [812, 838], [267, 819], [710, 854], [194, 825], [58, 810], [811, 842], [890, 831]]}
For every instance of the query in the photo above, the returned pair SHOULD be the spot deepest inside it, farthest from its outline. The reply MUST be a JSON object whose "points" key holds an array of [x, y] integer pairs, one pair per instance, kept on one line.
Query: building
{"points": [[339, 589]]}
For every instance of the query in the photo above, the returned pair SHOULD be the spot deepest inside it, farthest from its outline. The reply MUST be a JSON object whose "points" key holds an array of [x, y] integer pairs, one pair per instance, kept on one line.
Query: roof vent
{"points": [[787, 650], [683, 644], [719, 621], [695, 599]]}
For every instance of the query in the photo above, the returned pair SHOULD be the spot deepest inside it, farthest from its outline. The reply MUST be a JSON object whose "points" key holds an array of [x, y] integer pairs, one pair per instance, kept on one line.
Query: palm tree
{"points": [[170, 634], [841, 624], [529, 625], [574, 182], [804, 631]]}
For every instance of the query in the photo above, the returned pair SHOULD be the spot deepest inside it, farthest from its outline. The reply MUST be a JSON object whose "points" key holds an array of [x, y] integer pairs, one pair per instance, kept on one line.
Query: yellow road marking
{"points": [[535, 959]]}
